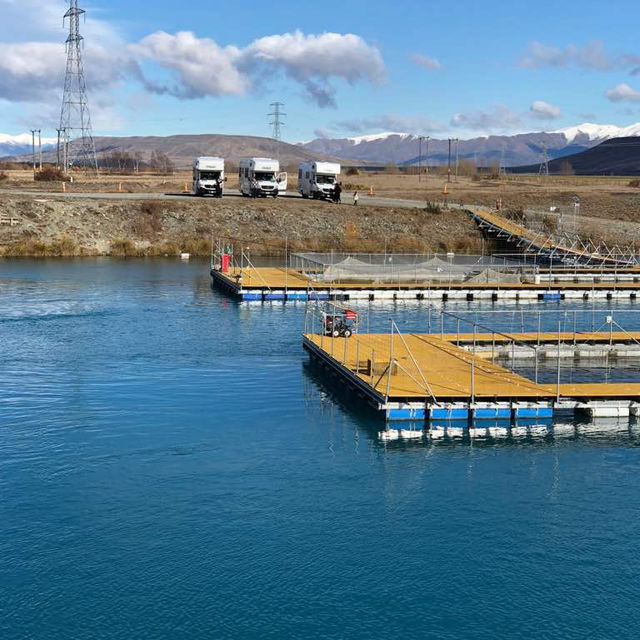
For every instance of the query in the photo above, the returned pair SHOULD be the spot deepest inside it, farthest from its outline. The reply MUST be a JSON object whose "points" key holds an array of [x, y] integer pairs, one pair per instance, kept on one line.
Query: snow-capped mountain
{"points": [[21, 143], [520, 149], [599, 132]]}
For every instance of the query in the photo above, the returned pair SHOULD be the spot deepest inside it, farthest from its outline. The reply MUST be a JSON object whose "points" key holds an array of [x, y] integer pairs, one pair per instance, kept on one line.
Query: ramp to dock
{"points": [[541, 244]]}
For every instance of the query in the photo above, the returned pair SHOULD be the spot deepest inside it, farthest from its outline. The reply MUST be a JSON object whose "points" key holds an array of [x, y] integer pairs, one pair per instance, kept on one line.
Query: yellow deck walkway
{"points": [[538, 239], [542, 337], [427, 366], [280, 278]]}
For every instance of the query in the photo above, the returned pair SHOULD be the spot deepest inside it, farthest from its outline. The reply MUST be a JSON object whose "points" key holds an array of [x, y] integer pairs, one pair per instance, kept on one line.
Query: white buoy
{"points": [[185, 256]]}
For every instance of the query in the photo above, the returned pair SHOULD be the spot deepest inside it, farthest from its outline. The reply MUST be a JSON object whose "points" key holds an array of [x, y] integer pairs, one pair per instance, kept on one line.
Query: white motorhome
{"points": [[261, 177], [317, 179], [208, 176]]}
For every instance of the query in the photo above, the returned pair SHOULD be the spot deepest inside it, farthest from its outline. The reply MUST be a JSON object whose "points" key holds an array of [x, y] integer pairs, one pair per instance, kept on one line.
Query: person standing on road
{"points": [[337, 193], [355, 198]]}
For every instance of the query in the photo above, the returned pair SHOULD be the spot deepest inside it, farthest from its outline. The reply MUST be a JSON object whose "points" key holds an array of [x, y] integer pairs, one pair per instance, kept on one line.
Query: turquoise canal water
{"points": [[171, 467]]}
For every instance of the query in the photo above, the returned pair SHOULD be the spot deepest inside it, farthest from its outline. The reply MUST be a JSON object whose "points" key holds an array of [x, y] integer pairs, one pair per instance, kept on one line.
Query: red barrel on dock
{"points": [[226, 260]]}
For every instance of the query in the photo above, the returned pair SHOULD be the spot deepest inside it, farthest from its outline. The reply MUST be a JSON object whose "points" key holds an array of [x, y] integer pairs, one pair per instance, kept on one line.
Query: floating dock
{"points": [[427, 377], [280, 284]]}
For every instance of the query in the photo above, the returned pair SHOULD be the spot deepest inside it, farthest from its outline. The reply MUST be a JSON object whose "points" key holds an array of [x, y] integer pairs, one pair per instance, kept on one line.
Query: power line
{"points": [[75, 120]]}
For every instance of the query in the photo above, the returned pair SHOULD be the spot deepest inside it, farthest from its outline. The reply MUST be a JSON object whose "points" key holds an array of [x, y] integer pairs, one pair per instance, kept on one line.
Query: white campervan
{"points": [[317, 179], [261, 177], [208, 176]]}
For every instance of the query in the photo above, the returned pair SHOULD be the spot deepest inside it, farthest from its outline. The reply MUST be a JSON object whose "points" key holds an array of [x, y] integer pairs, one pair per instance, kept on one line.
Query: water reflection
{"points": [[324, 392]]}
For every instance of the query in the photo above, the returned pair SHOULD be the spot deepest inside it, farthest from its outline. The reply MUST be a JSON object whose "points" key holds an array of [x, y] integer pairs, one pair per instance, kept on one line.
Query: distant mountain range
{"points": [[15, 145], [181, 149], [515, 150], [519, 150], [618, 156]]}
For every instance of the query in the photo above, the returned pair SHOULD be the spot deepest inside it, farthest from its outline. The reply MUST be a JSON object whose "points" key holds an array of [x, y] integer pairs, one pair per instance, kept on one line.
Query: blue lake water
{"points": [[172, 467]]}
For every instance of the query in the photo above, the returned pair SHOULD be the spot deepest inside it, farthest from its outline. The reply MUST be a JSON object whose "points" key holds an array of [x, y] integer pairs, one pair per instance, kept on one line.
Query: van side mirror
{"points": [[225, 178]]}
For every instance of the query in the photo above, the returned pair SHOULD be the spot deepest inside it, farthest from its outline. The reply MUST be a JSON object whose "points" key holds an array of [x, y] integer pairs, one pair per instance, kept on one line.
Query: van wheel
{"points": [[305, 196], [335, 333], [347, 333]]}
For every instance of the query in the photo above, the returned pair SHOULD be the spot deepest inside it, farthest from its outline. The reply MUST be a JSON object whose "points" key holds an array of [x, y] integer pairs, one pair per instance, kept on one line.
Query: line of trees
{"points": [[125, 163]]}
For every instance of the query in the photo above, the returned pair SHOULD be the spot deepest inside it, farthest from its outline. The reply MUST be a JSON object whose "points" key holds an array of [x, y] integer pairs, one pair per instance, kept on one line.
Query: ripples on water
{"points": [[171, 466]]}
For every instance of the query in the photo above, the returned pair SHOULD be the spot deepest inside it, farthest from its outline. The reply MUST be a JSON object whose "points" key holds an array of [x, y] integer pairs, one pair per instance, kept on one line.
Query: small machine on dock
{"points": [[338, 321]]}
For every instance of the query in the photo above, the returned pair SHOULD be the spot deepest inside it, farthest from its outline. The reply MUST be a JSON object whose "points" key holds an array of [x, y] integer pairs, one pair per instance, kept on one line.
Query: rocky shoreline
{"points": [[41, 226]]}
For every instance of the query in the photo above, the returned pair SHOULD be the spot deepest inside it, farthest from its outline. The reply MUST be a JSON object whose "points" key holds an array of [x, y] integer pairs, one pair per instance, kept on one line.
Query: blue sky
{"points": [[440, 69]]}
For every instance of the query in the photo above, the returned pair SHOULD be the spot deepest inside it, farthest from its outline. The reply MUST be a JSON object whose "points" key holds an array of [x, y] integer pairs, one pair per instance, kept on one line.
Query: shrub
{"points": [[550, 224], [3, 176], [51, 174], [433, 207], [352, 171], [635, 183], [123, 247]]}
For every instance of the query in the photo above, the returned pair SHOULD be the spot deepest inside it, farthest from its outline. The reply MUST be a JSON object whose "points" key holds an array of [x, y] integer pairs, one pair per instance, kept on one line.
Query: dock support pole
{"points": [[558, 380], [610, 321], [373, 364], [473, 382], [539, 322], [390, 361]]}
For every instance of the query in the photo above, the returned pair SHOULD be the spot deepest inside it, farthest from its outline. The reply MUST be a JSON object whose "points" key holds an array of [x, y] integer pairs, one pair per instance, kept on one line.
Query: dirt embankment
{"points": [[51, 226]]}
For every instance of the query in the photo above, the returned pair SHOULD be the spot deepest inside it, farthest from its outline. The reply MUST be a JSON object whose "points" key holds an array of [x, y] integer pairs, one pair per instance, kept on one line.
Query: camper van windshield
{"points": [[209, 175], [265, 176], [326, 179]]}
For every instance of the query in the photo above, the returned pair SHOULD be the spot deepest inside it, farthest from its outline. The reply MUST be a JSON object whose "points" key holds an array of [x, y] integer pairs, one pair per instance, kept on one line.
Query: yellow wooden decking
{"points": [[280, 278], [426, 366], [566, 337]]}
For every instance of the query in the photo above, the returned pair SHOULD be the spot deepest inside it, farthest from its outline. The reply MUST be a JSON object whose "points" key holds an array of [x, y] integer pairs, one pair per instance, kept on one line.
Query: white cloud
{"points": [[541, 110], [432, 64], [34, 71], [500, 118], [203, 68], [623, 93], [592, 57], [388, 122]]}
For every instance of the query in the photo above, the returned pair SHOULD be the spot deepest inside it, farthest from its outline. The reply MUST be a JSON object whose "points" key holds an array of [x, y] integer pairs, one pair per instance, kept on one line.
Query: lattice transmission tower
{"points": [[276, 114], [543, 171], [76, 137]]}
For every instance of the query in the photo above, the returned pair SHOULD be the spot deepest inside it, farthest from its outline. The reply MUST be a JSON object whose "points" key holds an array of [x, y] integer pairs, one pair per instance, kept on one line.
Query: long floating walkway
{"points": [[426, 377], [538, 243], [272, 283]]}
